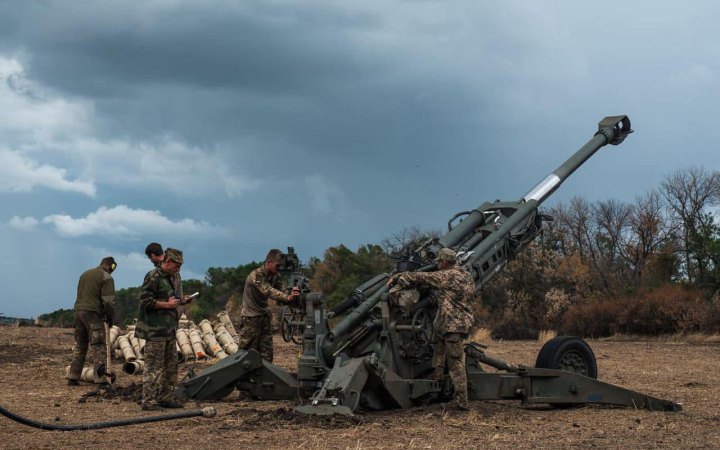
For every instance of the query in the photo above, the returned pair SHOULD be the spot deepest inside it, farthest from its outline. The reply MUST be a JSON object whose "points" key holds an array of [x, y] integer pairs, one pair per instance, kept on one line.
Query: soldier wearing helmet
{"points": [[453, 287]]}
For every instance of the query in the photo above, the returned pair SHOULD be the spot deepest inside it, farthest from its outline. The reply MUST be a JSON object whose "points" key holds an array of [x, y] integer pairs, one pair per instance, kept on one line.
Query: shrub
{"points": [[667, 309]]}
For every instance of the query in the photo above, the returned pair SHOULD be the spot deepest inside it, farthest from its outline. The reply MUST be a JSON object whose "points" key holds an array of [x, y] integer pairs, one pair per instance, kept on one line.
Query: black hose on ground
{"points": [[205, 412]]}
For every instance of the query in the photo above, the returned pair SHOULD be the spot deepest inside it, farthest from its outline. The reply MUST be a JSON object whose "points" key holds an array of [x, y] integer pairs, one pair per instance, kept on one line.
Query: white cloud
{"points": [[30, 112], [695, 75], [23, 223], [37, 124], [21, 174], [325, 197], [194, 170], [123, 221], [134, 261]]}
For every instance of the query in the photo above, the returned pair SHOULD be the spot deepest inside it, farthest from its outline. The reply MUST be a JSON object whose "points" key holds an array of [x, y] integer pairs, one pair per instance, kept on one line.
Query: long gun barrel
{"points": [[495, 232], [612, 130]]}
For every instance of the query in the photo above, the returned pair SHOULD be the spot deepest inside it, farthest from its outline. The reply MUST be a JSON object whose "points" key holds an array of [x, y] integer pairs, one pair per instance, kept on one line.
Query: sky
{"points": [[228, 128]]}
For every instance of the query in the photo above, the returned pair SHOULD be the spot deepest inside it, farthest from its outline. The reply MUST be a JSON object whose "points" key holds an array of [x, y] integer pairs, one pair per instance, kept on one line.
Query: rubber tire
{"points": [[556, 353]]}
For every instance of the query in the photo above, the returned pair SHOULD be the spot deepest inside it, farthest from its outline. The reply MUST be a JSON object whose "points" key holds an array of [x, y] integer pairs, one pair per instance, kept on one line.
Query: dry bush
{"points": [[666, 310], [595, 318], [481, 335], [481, 314], [517, 320], [661, 311], [557, 302]]}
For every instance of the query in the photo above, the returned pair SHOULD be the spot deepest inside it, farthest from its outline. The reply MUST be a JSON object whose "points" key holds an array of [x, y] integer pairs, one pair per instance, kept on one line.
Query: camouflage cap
{"points": [[173, 254], [447, 254]]}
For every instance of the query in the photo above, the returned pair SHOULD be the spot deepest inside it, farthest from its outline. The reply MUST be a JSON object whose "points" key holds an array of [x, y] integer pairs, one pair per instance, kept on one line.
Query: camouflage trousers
{"points": [[256, 333], [450, 349], [89, 332], [160, 373]]}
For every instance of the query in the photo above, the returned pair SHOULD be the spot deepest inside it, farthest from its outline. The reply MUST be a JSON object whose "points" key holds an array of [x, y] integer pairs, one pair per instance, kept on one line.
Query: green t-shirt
{"points": [[96, 292]]}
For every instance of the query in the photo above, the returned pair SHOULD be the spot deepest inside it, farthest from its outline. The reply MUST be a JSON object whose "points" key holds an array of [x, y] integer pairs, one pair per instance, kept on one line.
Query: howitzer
{"points": [[378, 355]]}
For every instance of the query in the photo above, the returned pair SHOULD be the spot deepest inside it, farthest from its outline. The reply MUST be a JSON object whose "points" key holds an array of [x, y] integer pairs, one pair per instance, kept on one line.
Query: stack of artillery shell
{"points": [[225, 339], [127, 351], [136, 345], [87, 374], [134, 367], [224, 319], [193, 342], [114, 333], [183, 341], [210, 341], [184, 323], [197, 343]]}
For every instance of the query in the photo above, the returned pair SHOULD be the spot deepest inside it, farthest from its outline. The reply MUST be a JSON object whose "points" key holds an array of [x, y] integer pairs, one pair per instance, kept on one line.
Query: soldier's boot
{"points": [[151, 407], [456, 404], [73, 382]]}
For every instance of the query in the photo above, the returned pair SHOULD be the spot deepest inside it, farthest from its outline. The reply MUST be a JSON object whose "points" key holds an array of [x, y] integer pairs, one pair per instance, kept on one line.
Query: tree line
{"points": [[644, 267]]}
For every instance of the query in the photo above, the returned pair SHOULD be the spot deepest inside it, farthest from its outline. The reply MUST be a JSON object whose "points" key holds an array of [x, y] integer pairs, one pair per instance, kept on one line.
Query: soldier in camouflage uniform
{"points": [[157, 322], [156, 255], [262, 284], [454, 289], [94, 305]]}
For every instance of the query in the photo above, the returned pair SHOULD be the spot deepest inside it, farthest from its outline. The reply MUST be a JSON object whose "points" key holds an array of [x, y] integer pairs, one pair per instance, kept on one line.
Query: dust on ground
{"points": [[33, 361]]}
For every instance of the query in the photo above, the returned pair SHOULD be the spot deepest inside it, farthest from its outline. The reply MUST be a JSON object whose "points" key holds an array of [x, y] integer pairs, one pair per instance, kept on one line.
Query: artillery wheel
{"points": [[285, 318], [422, 326], [288, 331], [568, 353]]}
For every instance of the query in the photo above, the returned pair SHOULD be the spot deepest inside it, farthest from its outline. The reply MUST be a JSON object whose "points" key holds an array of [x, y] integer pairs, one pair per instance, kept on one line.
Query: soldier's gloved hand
{"points": [[294, 292]]}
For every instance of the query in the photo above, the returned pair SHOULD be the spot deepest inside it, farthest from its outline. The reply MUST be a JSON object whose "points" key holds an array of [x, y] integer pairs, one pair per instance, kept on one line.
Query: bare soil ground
{"points": [[32, 363]]}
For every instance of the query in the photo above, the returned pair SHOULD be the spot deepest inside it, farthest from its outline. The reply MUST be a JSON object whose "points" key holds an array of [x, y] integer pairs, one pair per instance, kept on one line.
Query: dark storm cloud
{"points": [[318, 123], [86, 50], [292, 77]]}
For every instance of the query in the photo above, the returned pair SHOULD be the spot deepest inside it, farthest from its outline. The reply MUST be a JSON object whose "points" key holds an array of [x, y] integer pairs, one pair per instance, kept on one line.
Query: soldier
{"points": [[94, 305], [262, 284], [157, 321], [154, 252], [454, 289]]}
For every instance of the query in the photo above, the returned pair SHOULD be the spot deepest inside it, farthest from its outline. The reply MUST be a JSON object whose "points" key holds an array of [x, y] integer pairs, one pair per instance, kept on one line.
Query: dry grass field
{"points": [[32, 362]]}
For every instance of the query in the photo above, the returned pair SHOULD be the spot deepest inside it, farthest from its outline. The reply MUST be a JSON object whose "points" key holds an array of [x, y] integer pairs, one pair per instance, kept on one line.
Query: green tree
{"points": [[342, 270]]}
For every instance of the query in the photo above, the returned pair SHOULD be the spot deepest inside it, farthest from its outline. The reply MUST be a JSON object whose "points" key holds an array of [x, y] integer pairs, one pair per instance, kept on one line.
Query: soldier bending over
{"points": [[454, 289]]}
